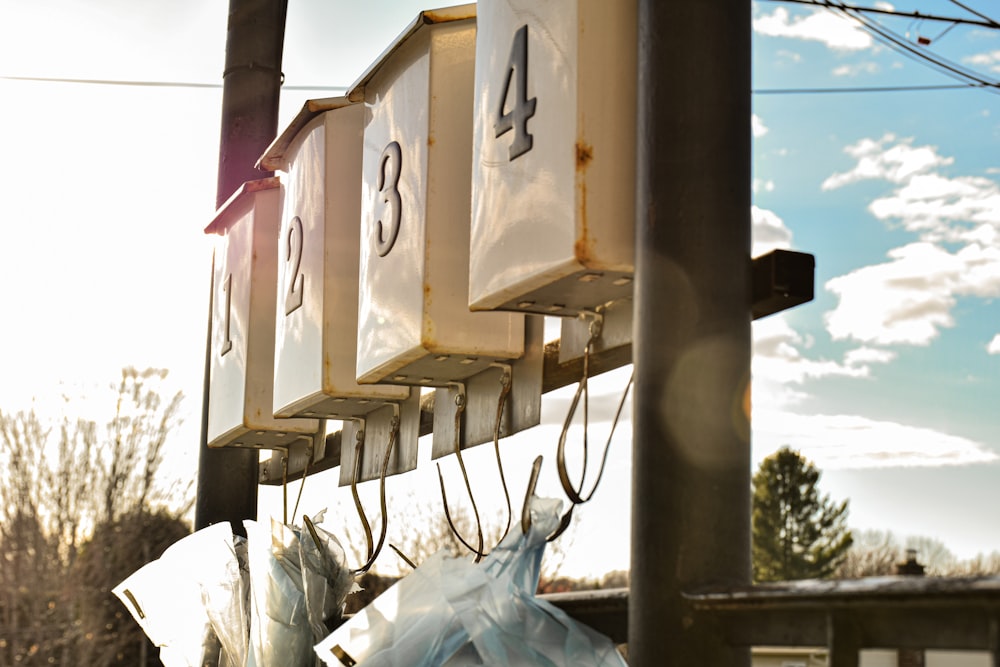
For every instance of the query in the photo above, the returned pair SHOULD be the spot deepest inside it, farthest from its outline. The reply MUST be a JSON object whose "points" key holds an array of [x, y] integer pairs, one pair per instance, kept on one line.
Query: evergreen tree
{"points": [[797, 534]]}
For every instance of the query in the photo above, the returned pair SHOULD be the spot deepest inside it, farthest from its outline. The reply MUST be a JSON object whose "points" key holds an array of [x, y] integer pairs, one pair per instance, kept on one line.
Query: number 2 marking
{"points": [[293, 296], [390, 165], [517, 118], [227, 341]]}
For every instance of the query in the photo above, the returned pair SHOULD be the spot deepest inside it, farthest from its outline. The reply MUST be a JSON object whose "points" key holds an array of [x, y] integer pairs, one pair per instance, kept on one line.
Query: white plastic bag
{"points": [[451, 612], [165, 596], [279, 628], [298, 582]]}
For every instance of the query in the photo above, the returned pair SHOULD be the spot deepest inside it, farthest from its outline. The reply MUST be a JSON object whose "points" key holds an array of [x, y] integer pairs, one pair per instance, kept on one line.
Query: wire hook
{"points": [[506, 380], [564, 522], [459, 411], [575, 493], [373, 550]]}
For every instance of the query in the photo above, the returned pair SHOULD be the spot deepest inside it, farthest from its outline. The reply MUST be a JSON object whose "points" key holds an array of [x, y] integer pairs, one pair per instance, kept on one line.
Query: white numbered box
{"points": [[241, 375], [316, 321], [554, 155], [414, 323]]}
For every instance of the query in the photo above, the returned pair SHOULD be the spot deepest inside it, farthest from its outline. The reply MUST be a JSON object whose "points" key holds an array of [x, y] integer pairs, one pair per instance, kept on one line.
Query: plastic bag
{"points": [[165, 596], [326, 578], [299, 581], [455, 613], [279, 628], [225, 593]]}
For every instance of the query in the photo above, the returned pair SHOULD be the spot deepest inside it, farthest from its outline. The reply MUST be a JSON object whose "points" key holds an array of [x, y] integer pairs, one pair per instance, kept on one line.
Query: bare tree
{"points": [[59, 481], [874, 553]]}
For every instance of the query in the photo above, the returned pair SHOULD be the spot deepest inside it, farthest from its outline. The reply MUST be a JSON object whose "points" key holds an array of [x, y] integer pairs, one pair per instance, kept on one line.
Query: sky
{"points": [[888, 381]]}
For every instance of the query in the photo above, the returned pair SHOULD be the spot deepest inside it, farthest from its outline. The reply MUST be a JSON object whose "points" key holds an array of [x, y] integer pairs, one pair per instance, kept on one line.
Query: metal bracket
{"points": [[375, 429], [522, 408], [613, 323]]}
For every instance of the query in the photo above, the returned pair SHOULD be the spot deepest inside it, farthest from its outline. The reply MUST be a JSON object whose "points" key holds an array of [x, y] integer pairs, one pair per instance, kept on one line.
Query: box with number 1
{"points": [[553, 155], [241, 376], [414, 324]]}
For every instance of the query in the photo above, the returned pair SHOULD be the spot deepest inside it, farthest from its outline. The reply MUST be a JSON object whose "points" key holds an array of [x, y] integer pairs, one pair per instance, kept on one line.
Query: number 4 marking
{"points": [[517, 118]]}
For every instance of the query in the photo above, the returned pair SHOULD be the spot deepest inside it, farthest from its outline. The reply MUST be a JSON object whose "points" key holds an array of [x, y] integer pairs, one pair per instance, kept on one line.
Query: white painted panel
{"points": [[553, 155], [317, 315], [414, 323], [242, 354]]}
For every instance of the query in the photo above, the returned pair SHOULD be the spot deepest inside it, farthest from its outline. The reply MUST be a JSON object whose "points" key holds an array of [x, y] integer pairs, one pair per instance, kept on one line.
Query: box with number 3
{"points": [[554, 155], [414, 323]]}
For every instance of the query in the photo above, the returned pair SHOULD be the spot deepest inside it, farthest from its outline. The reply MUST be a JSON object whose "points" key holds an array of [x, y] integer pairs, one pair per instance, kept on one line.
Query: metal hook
{"points": [[284, 483], [506, 380], [575, 493], [564, 522], [536, 468], [310, 452], [373, 550], [582, 389], [460, 410]]}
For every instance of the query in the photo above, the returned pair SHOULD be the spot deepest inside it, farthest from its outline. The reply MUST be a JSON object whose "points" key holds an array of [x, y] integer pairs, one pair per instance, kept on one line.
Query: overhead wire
{"points": [[972, 11], [149, 84], [970, 79], [986, 21], [908, 50]]}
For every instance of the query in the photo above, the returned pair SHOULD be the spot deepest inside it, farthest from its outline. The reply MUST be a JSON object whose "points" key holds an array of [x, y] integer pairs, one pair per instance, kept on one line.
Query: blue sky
{"points": [[888, 380]]}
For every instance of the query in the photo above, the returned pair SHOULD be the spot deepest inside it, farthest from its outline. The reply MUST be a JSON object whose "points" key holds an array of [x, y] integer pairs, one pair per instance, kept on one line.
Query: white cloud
{"points": [[757, 125], [819, 25], [853, 442], [760, 185], [769, 231], [895, 164], [989, 60], [909, 299], [868, 355], [994, 345], [856, 69], [780, 364]]}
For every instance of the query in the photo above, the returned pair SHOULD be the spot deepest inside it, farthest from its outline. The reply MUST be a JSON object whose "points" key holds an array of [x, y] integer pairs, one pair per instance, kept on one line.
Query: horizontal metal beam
{"points": [[782, 279], [888, 612]]}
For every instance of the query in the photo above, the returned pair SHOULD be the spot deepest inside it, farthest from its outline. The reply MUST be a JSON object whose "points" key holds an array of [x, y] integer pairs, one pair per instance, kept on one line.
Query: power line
{"points": [[985, 22], [148, 84], [864, 89], [904, 47]]}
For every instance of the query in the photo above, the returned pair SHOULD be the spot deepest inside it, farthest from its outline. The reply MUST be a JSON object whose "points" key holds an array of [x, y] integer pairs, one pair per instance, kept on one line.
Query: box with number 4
{"points": [[414, 323], [553, 156]]}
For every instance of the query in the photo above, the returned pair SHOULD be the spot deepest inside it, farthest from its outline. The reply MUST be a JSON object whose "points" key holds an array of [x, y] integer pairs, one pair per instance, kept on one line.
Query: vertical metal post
{"points": [[691, 451], [227, 478]]}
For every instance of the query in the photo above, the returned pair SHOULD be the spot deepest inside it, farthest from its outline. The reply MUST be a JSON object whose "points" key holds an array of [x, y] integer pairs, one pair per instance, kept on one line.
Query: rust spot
{"points": [[430, 139], [583, 247], [431, 16], [584, 154]]}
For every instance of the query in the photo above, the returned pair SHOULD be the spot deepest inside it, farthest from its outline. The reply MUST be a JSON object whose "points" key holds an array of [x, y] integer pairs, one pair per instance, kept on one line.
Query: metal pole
{"points": [[227, 478], [691, 451]]}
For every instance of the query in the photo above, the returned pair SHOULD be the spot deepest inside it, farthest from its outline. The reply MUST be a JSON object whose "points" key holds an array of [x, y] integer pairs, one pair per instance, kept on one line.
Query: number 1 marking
{"points": [[517, 118], [227, 342]]}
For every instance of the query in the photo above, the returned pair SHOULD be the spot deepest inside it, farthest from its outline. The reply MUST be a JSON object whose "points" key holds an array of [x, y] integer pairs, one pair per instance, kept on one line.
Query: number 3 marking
{"points": [[387, 182], [517, 118], [293, 296]]}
